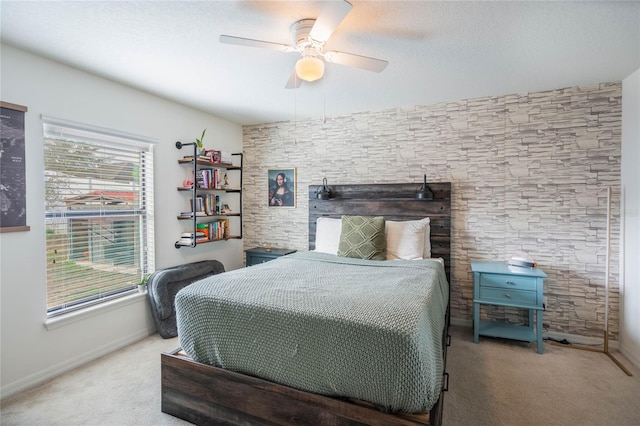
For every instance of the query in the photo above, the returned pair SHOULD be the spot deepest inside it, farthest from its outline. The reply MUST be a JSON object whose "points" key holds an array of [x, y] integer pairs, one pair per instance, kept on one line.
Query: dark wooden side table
{"points": [[258, 255]]}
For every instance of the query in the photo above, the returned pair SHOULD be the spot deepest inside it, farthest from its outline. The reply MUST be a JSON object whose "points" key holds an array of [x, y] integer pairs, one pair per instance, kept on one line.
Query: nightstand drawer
{"points": [[255, 260], [258, 255], [508, 282], [509, 296]]}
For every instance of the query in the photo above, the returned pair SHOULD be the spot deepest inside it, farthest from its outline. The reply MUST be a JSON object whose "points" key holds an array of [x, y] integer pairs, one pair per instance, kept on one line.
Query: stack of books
{"points": [[187, 238], [199, 157], [184, 215]]}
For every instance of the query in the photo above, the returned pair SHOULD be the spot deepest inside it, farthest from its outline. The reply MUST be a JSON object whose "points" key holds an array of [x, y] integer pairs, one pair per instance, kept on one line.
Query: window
{"points": [[98, 213]]}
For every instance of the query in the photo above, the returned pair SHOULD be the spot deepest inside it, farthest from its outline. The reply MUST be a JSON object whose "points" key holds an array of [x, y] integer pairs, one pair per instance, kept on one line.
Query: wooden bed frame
{"points": [[204, 394]]}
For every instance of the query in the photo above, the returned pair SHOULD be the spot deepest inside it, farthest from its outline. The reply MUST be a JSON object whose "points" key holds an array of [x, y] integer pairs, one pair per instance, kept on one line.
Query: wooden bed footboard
{"points": [[207, 395]]}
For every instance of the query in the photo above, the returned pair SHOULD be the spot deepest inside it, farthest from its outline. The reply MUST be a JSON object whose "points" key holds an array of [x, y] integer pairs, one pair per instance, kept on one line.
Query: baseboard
{"points": [[575, 339], [462, 322], [35, 379]]}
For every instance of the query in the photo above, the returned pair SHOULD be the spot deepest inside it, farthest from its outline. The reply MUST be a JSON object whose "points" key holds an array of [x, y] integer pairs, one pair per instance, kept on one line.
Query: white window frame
{"points": [[140, 209]]}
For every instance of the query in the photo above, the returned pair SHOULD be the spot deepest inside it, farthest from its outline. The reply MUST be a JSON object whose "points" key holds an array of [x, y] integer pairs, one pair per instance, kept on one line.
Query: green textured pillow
{"points": [[362, 237]]}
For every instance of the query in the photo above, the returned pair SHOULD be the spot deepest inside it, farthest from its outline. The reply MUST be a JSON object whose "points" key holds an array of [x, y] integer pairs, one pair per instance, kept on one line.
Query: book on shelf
{"points": [[202, 180], [188, 241], [186, 238], [190, 214], [218, 229], [190, 234], [199, 157]]}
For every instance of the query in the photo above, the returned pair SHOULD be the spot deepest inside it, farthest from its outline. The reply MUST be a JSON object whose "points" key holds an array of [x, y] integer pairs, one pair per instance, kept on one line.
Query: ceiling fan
{"points": [[310, 36]]}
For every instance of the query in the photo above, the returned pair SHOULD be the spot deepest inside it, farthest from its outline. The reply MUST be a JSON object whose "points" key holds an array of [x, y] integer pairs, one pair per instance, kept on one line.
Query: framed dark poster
{"points": [[282, 187], [13, 198]]}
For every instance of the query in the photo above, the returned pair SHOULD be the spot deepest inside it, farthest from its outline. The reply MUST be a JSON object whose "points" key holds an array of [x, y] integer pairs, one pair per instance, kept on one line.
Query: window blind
{"points": [[98, 213]]}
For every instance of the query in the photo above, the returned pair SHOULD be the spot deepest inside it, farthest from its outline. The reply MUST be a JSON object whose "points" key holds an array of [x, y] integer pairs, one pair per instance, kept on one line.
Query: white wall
{"points": [[630, 213], [30, 352]]}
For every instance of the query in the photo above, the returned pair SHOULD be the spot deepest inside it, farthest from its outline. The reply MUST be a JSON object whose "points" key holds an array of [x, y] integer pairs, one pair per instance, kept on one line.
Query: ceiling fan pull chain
{"points": [[324, 100]]}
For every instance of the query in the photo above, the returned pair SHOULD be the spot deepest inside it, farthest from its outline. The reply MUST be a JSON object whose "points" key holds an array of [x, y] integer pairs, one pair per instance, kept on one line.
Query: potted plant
{"points": [[142, 284], [199, 143]]}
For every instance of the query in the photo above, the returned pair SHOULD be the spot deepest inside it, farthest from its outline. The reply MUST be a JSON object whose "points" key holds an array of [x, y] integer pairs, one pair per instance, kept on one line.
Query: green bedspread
{"points": [[370, 330]]}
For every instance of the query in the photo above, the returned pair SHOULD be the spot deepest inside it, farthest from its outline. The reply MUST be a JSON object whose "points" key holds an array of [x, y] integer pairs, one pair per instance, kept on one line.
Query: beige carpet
{"points": [[501, 382], [496, 382]]}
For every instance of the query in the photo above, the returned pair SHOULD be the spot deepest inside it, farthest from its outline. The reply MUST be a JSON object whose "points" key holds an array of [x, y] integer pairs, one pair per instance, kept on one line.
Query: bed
{"points": [[341, 348]]}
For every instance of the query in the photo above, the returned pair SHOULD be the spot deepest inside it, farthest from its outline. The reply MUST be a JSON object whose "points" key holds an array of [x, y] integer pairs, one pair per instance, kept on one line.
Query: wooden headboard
{"points": [[395, 201]]}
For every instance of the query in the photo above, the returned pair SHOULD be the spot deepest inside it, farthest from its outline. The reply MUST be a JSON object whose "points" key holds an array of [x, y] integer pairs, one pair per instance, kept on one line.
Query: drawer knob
{"points": [[510, 282], [507, 295]]}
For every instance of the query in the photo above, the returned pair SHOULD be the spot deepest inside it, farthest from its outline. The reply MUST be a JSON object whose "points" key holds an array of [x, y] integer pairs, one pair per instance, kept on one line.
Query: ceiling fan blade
{"points": [[332, 14], [294, 81], [356, 61], [256, 43]]}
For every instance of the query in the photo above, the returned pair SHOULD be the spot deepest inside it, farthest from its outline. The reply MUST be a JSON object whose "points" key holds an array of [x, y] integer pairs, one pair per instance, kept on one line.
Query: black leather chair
{"points": [[164, 284]]}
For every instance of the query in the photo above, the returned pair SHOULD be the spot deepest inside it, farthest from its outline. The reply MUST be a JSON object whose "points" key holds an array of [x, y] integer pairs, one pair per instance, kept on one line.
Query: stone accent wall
{"points": [[528, 171]]}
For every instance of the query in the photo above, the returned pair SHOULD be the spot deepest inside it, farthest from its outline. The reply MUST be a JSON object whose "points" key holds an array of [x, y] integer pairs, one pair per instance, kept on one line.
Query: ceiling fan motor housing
{"points": [[300, 31]]}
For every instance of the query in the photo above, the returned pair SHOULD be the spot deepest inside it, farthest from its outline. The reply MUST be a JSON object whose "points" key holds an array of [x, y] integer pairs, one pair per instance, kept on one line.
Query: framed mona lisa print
{"points": [[282, 187]]}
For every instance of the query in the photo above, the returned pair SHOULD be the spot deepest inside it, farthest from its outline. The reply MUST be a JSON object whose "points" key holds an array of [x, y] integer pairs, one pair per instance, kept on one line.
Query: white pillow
{"points": [[408, 240], [328, 235]]}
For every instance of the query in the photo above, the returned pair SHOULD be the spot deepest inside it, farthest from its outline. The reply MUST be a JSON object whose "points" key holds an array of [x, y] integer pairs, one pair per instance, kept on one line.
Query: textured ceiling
{"points": [[437, 51]]}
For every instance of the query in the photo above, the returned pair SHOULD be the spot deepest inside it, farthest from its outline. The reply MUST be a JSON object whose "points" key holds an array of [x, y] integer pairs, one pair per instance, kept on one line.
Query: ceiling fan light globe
{"points": [[310, 69]]}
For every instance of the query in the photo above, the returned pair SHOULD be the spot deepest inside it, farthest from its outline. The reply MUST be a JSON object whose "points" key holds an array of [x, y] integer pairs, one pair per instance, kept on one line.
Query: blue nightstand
{"points": [[496, 283]]}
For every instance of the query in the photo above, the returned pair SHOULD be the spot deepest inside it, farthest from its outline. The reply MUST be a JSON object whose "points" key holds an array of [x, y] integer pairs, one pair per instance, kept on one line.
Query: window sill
{"points": [[91, 311]]}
